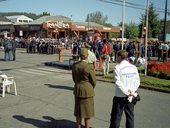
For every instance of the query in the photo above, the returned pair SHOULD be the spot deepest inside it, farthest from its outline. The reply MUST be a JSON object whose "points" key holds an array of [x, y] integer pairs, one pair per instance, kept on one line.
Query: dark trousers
{"points": [[159, 54], [119, 105], [13, 53]]}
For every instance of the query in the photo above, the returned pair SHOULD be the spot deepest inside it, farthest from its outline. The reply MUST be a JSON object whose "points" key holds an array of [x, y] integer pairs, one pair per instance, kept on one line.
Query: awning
{"points": [[9, 28]]}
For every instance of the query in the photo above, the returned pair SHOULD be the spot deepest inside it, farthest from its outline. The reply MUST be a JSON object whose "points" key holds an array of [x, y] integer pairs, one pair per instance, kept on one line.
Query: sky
{"points": [[78, 9]]}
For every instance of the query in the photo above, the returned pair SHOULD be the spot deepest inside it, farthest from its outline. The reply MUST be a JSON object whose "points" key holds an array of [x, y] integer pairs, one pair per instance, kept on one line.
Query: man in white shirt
{"points": [[127, 81]]}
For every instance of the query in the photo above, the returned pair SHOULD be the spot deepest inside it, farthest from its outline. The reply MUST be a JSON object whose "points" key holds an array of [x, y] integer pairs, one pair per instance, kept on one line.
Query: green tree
{"points": [[113, 35], [44, 14], [167, 30], [154, 26], [131, 30], [97, 17], [142, 24]]}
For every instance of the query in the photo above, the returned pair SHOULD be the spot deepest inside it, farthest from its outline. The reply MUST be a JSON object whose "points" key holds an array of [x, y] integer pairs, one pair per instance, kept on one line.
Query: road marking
{"points": [[39, 71], [48, 69], [66, 77], [54, 69], [17, 73], [14, 75], [26, 71]]}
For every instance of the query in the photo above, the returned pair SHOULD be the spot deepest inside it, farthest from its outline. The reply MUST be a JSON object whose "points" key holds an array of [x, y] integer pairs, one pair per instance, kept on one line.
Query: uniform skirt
{"points": [[84, 107]]}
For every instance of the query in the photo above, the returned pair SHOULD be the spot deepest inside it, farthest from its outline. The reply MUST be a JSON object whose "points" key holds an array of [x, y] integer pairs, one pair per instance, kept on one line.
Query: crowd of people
{"points": [[159, 50], [105, 51]]}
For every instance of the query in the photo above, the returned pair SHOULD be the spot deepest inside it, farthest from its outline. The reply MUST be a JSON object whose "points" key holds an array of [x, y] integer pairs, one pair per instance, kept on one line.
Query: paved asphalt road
{"points": [[45, 98]]}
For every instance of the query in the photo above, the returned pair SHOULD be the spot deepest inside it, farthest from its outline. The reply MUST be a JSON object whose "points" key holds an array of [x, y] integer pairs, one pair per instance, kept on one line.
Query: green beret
{"points": [[84, 52]]}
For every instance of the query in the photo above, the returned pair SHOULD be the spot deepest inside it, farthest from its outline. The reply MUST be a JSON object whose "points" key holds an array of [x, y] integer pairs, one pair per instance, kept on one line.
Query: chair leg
{"points": [[15, 88], [3, 90], [8, 88]]}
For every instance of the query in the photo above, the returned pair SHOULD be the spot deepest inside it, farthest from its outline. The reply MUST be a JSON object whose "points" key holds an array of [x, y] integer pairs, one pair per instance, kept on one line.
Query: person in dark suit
{"points": [[85, 80], [14, 45]]}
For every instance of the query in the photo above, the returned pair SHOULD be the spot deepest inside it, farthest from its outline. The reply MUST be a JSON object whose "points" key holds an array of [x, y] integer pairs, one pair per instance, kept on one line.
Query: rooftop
{"points": [[4, 19], [43, 19], [18, 16]]}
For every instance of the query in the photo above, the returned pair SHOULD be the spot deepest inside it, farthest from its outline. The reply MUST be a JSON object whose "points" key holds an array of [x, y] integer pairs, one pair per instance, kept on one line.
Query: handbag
{"points": [[136, 99], [104, 56]]}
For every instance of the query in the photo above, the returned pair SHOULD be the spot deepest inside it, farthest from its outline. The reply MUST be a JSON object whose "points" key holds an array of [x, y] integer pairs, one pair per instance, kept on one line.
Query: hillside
{"points": [[30, 15]]}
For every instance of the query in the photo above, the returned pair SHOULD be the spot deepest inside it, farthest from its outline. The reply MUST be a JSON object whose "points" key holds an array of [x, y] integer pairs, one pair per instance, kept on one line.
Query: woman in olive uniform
{"points": [[85, 81]]}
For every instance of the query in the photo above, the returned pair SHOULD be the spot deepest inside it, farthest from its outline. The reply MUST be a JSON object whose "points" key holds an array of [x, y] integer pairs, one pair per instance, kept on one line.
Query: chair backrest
{"points": [[3, 78]]}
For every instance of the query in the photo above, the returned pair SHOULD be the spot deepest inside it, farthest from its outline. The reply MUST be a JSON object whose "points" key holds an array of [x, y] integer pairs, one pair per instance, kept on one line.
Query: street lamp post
{"points": [[123, 20], [164, 32], [146, 36]]}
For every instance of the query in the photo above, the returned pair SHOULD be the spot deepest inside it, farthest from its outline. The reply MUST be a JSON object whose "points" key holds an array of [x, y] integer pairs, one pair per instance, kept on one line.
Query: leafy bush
{"points": [[158, 69]]}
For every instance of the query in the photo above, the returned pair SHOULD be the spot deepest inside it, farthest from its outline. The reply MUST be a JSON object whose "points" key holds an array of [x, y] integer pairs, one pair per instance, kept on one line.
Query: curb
{"points": [[104, 80], [141, 86]]}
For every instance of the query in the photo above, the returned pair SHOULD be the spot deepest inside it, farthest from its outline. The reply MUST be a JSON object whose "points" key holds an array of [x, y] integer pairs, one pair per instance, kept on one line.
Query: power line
{"points": [[111, 2], [139, 5], [130, 5], [135, 4]]}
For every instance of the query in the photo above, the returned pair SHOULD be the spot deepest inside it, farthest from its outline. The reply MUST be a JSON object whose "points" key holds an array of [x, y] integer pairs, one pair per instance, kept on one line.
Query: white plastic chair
{"points": [[6, 83]]}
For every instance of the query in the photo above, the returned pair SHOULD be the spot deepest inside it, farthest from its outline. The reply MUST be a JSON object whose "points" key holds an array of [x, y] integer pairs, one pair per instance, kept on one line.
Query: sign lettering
{"points": [[58, 25]]}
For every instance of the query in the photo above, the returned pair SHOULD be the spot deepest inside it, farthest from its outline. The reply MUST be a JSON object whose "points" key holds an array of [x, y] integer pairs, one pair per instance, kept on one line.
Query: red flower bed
{"points": [[159, 69]]}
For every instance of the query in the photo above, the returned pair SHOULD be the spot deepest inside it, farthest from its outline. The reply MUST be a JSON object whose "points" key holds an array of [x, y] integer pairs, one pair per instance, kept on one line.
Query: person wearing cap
{"points": [[85, 80], [91, 56]]}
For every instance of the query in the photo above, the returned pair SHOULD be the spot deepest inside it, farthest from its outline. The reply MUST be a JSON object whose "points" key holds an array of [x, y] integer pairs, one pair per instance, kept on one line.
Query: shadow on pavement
{"points": [[50, 123], [6, 69], [59, 87]]}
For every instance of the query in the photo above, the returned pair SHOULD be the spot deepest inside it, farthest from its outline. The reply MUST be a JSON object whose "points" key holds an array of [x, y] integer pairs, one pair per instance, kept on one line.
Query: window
{"points": [[25, 20]]}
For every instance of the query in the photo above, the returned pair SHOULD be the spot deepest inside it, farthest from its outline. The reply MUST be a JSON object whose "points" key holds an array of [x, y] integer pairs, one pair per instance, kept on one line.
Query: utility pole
{"points": [[88, 34], [146, 36], [164, 32], [88, 21], [123, 20]]}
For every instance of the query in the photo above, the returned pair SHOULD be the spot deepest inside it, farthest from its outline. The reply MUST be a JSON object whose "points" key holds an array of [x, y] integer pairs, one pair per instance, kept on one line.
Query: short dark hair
{"points": [[122, 54], [104, 40]]}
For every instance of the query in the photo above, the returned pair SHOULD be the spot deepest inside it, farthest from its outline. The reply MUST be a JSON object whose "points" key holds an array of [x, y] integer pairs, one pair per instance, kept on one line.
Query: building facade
{"points": [[61, 27]]}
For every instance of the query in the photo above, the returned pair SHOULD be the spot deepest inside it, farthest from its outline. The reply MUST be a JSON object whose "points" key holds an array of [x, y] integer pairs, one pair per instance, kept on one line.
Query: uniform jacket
{"points": [[126, 78], [84, 78]]}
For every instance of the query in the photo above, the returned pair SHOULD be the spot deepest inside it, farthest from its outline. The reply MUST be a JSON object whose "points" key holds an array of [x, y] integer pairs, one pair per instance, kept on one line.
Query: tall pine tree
{"points": [[154, 26]]}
